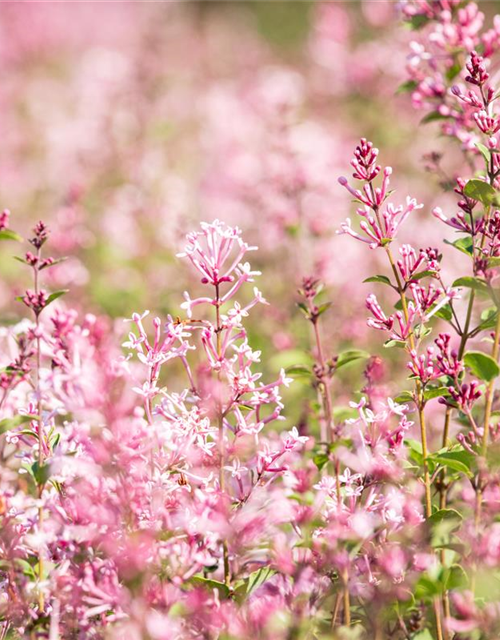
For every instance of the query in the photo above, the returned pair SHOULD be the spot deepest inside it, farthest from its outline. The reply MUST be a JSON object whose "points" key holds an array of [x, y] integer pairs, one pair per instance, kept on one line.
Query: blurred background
{"points": [[125, 124]]}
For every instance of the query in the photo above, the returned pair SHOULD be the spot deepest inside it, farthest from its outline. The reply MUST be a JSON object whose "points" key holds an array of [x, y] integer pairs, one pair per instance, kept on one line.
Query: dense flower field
{"points": [[301, 439]]}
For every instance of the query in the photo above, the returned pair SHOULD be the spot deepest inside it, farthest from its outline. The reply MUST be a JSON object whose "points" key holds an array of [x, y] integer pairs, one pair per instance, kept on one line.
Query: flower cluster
{"points": [[222, 469], [451, 31], [379, 226]]}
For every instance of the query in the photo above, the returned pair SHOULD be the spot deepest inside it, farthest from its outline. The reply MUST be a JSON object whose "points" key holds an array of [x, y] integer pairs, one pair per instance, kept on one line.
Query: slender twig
{"points": [[423, 429], [220, 418], [325, 391], [490, 391], [41, 600], [418, 388]]}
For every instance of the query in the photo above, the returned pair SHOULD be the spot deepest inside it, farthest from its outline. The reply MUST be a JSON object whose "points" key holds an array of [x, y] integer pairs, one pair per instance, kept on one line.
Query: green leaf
{"points": [[417, 21], [425, 634], [320, 459], [423, 274], [451, 463], [55, 295], [445, 313], [453, 71], [432, 117], [480, 190], [257, 578], [323, 307], [299, 370], [57, 485], [26, 568], [455, 577], [482, 365], [382, 279], [406, 87], [444, 514], [415, 445], [304, 309], [53, 264], [471, 283], [421, 331], [345, 357], [462, 244], [7, 234], [245, 587], [292, 230], [415, 451], [484, 151], [461, 455], [29, 432], [403, 397], [435, 392], [341, 442], [389, 344], [426, 588], [40, 473], [494, 262], [208, 583], [11, 423], [489, 318]]}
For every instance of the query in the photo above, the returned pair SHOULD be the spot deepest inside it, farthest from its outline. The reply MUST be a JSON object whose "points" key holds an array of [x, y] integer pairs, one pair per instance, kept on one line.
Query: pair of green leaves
{"points": [[457, 460], [241, 589], [53, 296], [344, 358]]}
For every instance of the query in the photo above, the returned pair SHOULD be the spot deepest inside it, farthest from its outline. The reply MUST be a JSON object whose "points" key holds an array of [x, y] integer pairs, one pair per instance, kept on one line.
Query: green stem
{"points": [[491, 390], [41, 599], [326, 397], [418, 388], [465, 333], [446, 430], [324, 385], [486, 427], [220, 418], [443, 490]]}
